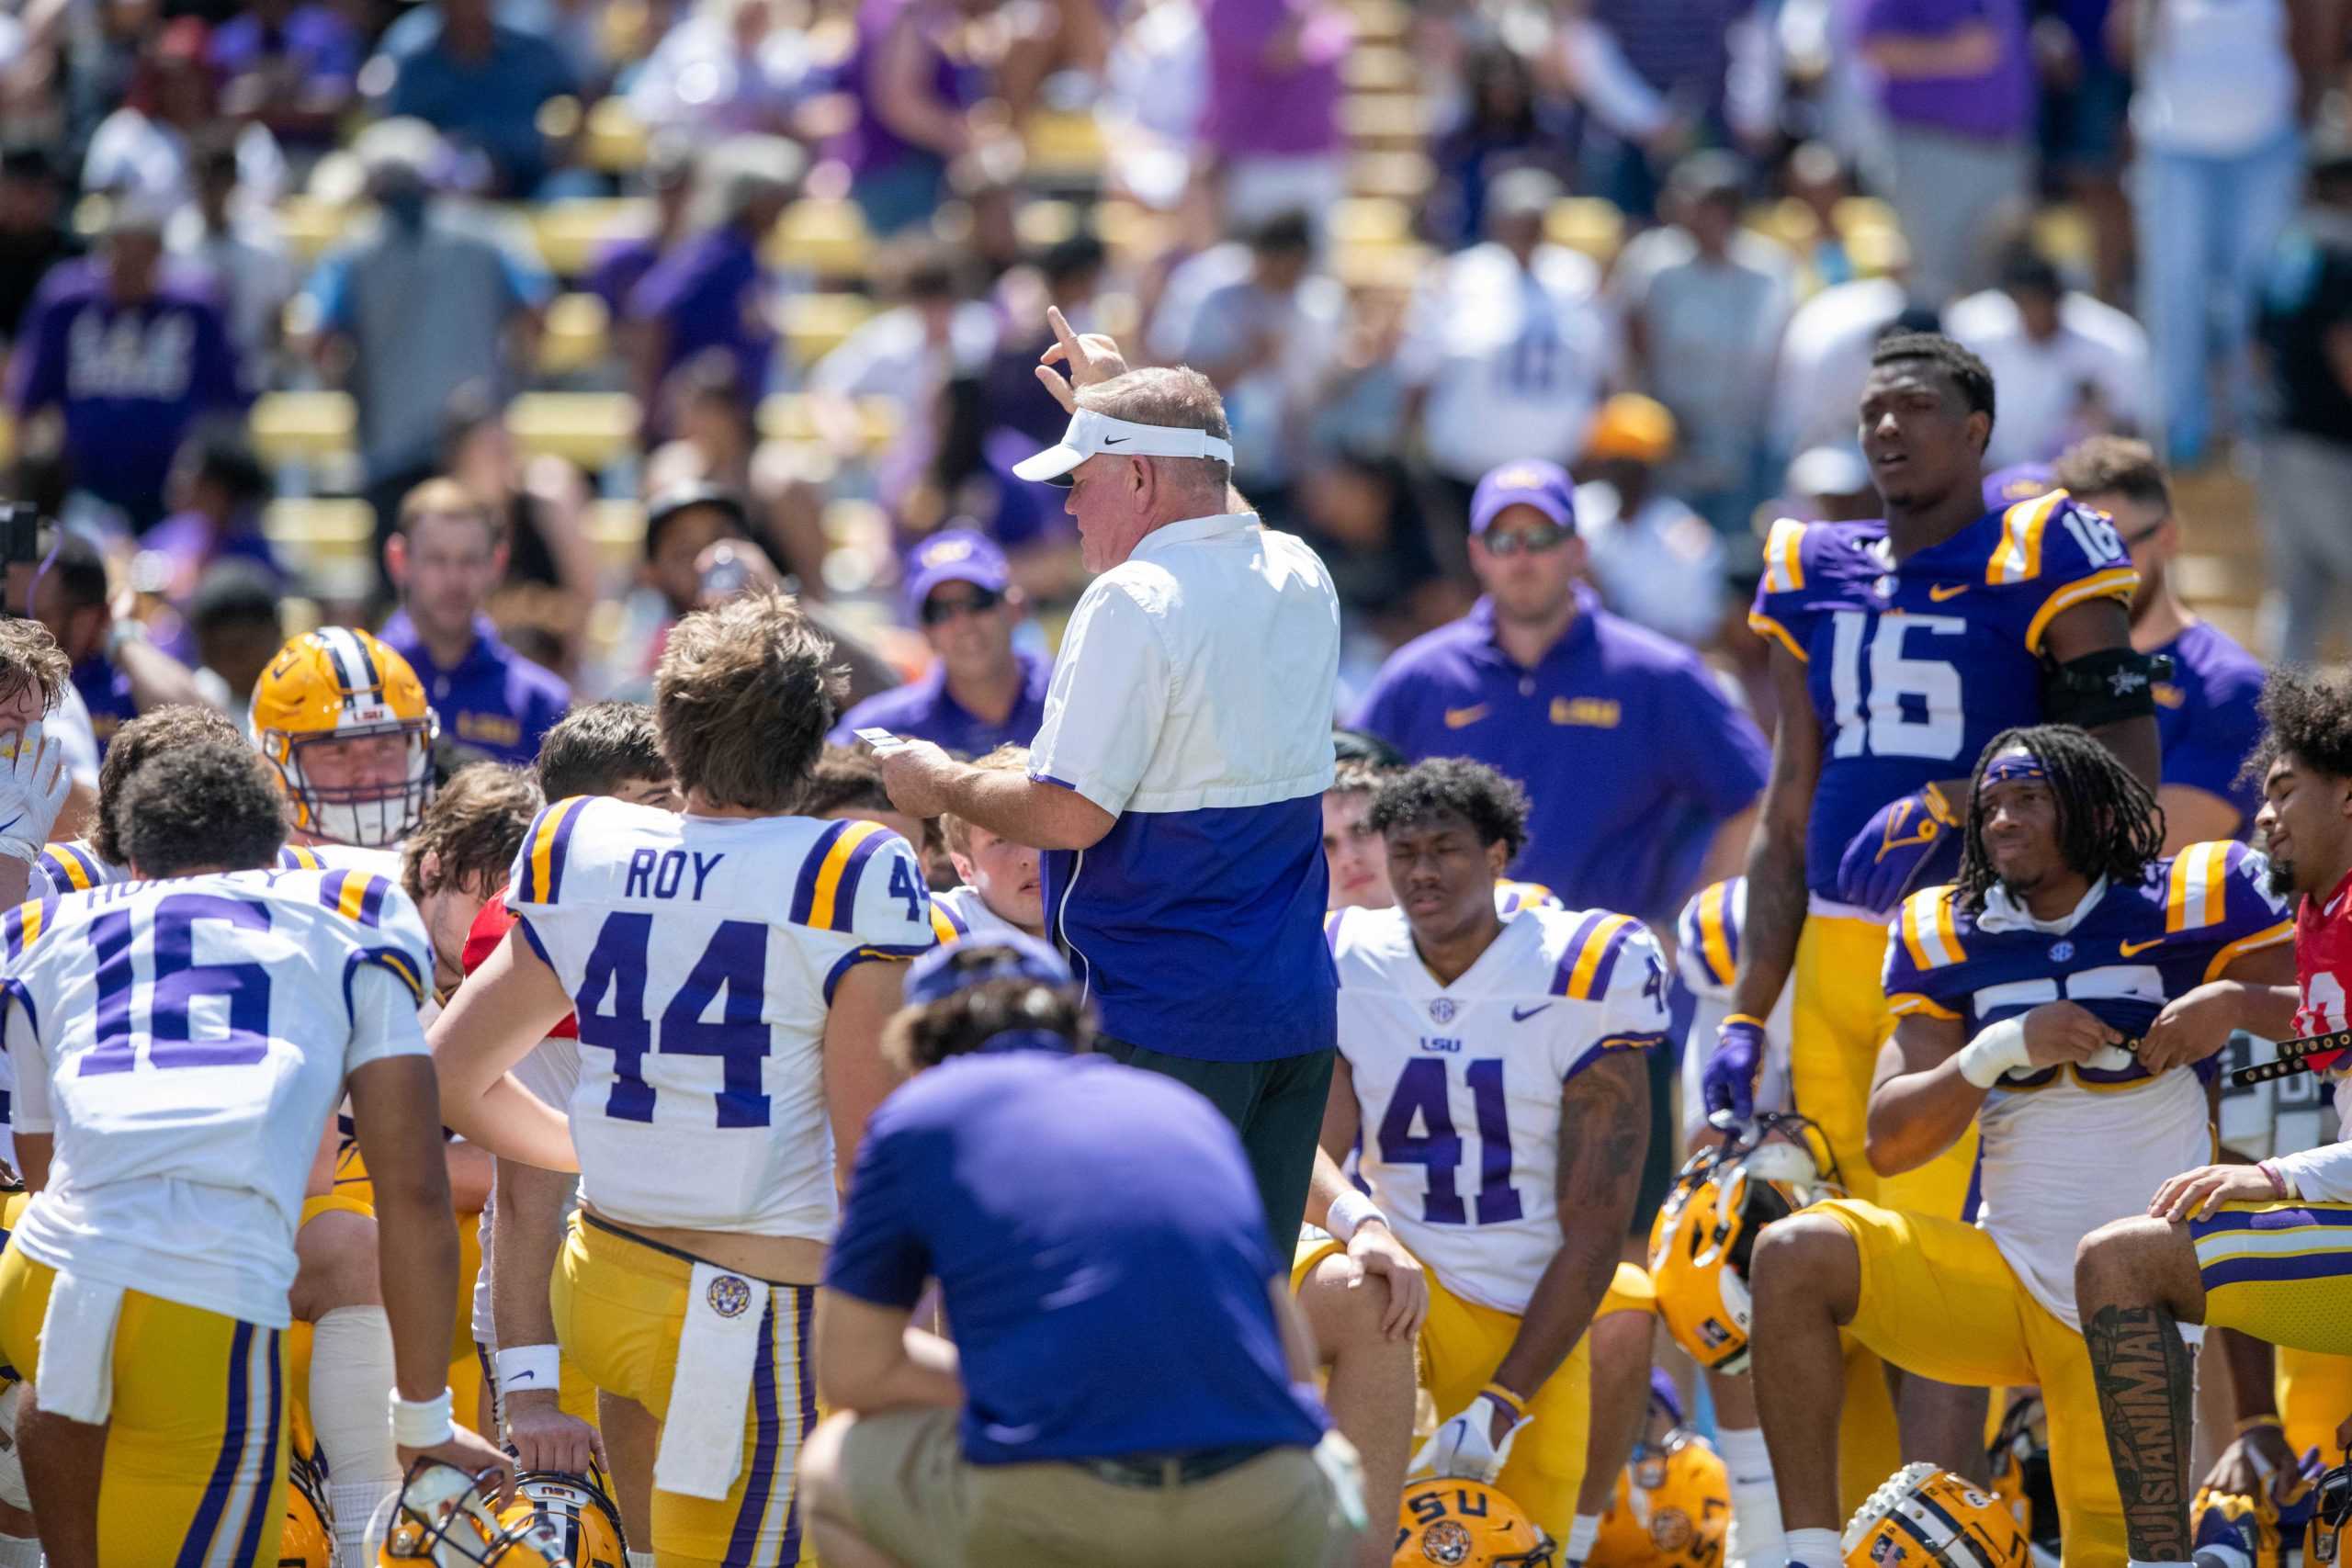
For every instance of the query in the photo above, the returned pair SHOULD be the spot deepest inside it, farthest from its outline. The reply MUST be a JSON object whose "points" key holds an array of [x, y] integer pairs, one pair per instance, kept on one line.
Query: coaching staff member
{"points": [[1176, 785]]}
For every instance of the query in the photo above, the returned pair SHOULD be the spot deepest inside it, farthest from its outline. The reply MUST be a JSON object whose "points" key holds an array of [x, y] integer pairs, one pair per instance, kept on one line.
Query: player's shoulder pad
{"points": [[387, 931], [74, 867], [1594, 952], [1788, 562], [2217, 885], [1929, 931], [1707, 936], [946, 926], [1511, 897], [2068, 553], [547, 851], [24, 925], [859, 878]]}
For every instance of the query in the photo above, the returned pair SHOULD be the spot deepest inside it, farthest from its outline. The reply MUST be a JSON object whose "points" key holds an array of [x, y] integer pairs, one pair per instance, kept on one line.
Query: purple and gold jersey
{"points": [[1911, 669]]}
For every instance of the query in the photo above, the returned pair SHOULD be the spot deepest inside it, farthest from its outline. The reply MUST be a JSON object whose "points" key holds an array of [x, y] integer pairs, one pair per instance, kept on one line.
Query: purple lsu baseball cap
{"points": [[1526, 482], [941, 972], [954, 555], [2004, 487]]}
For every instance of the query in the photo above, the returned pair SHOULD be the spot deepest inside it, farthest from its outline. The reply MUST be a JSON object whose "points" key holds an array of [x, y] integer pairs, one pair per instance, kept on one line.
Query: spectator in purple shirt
{"points": [[621, 264], [217, 489], [911, 96], [980, 692], [118, 673], [713, 291], [290, 66], [446, 553], [1957, 88], [1646, 774], [131, 359], [1272, 123]]}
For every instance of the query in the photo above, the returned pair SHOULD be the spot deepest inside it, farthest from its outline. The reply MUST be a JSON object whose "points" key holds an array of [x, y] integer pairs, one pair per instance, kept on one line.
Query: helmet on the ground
{"points": [[1922, 1515], [2020, 1467], [1443, 1522], [1672, 1505], [1705, 1231]]}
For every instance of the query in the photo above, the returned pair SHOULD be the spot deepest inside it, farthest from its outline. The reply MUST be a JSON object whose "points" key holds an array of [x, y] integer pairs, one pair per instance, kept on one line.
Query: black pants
{"points": [[1278, 1108]]}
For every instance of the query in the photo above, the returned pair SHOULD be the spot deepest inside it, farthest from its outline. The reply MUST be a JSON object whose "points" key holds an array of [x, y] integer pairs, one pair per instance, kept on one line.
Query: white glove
{"points": [[34, 782], [1465, 1446]]}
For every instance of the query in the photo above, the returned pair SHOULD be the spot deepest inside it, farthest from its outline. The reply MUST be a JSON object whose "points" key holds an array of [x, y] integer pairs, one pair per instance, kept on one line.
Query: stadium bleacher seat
{"points": [[825, 238], [1386, 121], [577, 336], [617, 528], [1369, 220], [1404, 175], [1586, 223], [594, 430], [571, 234], [1064, 147], [308, 428], [814, 324], [1376, 69], [614, 140]]}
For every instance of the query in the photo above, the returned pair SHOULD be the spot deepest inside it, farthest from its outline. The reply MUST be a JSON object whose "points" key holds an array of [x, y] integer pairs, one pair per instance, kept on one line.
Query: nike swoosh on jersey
{"points": [[1462, 719], [1522, 1015], [1940, 591], [2129, 948]]}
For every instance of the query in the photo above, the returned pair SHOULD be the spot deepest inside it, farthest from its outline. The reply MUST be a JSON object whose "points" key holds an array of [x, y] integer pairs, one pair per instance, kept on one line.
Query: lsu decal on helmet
{"points": [[1672, 1506], [1921, 1515], [579, 1508], [1446, 1523], [1705, 1231], [308, 1539], [449, 1518], [343, 720], [2020, 1456]]}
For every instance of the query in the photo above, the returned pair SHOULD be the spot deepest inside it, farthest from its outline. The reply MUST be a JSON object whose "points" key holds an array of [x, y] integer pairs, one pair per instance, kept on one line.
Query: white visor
{"points": [[1090, 433]]}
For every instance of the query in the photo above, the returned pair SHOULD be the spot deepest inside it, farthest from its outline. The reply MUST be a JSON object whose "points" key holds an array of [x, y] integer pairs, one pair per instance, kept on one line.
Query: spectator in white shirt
{"points": [[1657, 562], [239, 244], [1508, 351], [1265, 340], [2067, 366], [907, 353]]}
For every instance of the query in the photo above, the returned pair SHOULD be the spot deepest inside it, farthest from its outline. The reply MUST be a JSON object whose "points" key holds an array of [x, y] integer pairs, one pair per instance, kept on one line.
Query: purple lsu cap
{"points": [[941, 972], [2004, 487], [1526, 482], [954, 555]]}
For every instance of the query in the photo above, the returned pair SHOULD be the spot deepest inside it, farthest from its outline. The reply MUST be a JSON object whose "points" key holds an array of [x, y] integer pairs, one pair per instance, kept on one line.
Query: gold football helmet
{"points": [[1672, 1506], [309, 1538], [1924, 1516], [580, 1509], [325, 696], [448, 1518], [1449, 1523], [2020, 1456], [1705, 1231]]}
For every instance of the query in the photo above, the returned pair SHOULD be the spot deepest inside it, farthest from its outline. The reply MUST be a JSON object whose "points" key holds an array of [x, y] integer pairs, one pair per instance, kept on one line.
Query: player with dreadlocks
{"points": [[2021, 993], [2264, 1250]]}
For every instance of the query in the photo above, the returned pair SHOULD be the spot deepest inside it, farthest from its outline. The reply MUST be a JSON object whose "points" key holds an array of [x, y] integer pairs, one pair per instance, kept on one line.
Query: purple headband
{"points": [[2012, 767]]}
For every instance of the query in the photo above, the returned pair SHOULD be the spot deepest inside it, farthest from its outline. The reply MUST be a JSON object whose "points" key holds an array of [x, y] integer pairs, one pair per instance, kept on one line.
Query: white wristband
{"points": [[529, 1369], [422, 1422], [1348, 1211], [1998, 1048]]}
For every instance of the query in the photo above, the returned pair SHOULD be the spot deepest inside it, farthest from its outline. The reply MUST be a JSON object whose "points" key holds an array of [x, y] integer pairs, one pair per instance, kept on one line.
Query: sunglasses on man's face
{"points": [[981, 601], [1535, 541]]}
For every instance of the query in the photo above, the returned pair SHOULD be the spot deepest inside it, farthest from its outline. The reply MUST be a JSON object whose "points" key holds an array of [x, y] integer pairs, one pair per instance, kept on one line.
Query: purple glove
{"points": [[1912, 842], [1730, 1079]]}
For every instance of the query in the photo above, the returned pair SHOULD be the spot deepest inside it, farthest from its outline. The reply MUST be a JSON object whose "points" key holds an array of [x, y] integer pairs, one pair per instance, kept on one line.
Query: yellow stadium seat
{"points": [[302, 427], [617, 530], [1130, 230], [309, 227], [1370, 68], [1393, 267], [1369, 220], [310, 531], [8, 436], [827, 237], [787, 416], [571, 233], [615, 139], [1376, 120], [591, 429], [1586, 224], [1379, 20], [577, 335], [1406, 177], [1858, 212], [814, 324], [1065, 146], [1041, 224]]}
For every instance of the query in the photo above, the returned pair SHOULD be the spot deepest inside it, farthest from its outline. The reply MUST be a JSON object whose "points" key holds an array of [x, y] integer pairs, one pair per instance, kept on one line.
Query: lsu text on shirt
{"points": [[2065, 1149], [1911, 669], [702, 954], [1459, 1085], [1193, 701], [186, 1041]]}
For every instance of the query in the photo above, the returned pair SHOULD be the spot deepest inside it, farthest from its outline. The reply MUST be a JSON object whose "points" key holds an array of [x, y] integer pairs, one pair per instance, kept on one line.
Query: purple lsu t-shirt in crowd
{"points": [[493, 699], [709, 293], [1630, 751], [1255, 108], [1074, 1210], [924, 710], [868, 145], [1995, 103], [2206, 721], [130, 378]]}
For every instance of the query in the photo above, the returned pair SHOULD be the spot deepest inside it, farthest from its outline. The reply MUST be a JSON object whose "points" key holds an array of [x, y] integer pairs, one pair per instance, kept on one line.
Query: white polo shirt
{"points": [[1193, 698]]}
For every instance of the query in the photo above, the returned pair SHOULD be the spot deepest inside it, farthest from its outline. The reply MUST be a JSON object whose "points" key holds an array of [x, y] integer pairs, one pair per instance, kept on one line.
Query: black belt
{"points": [[1171, 1469]]}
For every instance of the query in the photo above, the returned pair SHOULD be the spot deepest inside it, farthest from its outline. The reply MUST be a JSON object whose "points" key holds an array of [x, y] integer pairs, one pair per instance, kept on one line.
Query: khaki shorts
{"points": [[911, 1494]]}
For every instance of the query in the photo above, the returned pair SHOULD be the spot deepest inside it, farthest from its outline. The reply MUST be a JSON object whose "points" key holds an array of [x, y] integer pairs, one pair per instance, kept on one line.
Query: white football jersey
{"points": [[960, 912], [702, 952], [186, 1041], [72, 867], [340, 857], [1706, 959], [1459, 1085]]}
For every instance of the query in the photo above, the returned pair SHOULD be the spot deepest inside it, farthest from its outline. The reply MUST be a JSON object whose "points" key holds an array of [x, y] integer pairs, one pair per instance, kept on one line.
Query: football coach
{"points": [[1175, 787]]}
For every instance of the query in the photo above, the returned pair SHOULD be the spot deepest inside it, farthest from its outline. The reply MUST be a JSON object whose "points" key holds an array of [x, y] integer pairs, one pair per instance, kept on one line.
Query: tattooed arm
{"points": [[1604, 1134]]}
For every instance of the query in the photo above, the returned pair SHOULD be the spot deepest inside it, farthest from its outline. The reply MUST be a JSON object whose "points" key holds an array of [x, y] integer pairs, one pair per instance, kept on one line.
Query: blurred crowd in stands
{"points": [[681, 294]]}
